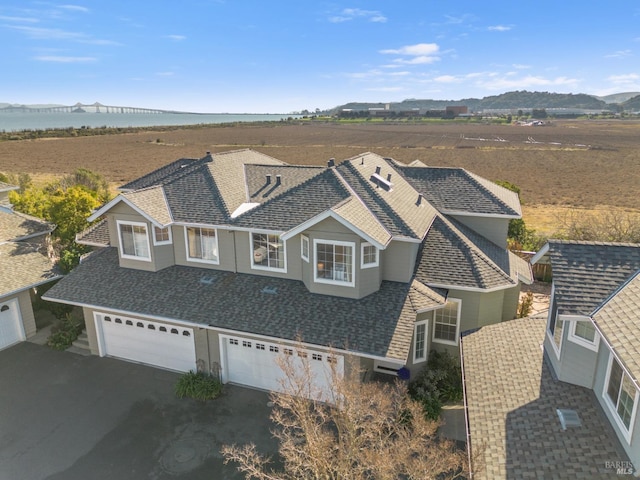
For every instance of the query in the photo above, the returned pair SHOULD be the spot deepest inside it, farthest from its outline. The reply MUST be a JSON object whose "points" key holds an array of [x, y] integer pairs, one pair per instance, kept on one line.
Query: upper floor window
{"points": [[420, 342], [621, 394], [556, 332], [202, 244], [334, 262], [134, 240], [368, 256], [584, 333], [161, 236], [446, 323], [267, 251]]}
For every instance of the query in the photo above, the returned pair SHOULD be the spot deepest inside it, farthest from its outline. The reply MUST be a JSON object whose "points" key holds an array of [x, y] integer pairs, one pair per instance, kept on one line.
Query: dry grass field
{"points": [[588, 164]]}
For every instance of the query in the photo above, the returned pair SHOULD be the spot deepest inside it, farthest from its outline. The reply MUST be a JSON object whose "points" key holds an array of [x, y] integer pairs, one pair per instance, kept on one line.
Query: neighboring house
{"points": [[25, 263], [593, 329], [225, 262]]}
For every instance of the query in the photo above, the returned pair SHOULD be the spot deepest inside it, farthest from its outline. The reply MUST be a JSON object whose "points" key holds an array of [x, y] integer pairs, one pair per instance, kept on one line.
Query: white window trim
{"points": [[255, 266], [583, 341], [352, 283], [426, 337], [121, 249], [186, 246], [163, 242], [458, 321], [372, 264], [626, 433], [551, 335], [304, 239]]}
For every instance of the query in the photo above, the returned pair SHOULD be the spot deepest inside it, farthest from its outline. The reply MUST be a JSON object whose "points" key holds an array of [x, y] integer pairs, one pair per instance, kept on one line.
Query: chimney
{"points": [[278, 179], [268, 178], [331, 162], [378, 170]]}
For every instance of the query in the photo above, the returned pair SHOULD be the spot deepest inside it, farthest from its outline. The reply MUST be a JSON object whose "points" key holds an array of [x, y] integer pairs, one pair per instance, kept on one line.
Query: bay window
{"points": [[334, 262], [446, 323]]}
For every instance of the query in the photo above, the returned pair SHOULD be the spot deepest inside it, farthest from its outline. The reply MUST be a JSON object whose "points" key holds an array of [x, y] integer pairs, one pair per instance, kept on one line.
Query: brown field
{"points": [[588, 164]]}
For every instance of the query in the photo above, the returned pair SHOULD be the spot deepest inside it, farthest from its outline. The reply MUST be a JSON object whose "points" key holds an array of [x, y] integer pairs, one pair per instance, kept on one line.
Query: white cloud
{"points": [[75, 8], [499, 28], [500, 83], [349, 14], [629, 77], [448, 79], [19, 19], [384, 89], [520, 66], [619, 54], [38, 33], [177, 38], [417, 49], [65, 59], [165, 74]]}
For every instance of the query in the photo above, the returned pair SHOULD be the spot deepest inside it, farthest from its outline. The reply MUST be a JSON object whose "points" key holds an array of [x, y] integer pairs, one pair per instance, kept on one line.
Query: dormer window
{"points": [[134, 240], [334, 262], [202, 245]]}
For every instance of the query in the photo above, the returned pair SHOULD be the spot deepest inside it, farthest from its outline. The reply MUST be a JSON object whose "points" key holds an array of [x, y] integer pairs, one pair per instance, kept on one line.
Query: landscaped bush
{"points": [[439, 382], [65, 333], [199, 386]]}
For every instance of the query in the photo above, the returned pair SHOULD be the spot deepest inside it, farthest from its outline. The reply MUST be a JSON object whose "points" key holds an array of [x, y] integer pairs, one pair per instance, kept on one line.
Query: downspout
{"points": [[466, 412]]}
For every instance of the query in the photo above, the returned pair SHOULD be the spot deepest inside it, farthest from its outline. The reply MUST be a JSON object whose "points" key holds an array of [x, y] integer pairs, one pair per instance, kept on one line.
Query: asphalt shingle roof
{"points": [[456, 190], [380, 324], [586, 273], [96, 235], [619, 320], [512, 398], [24, 265], [15, 225]]}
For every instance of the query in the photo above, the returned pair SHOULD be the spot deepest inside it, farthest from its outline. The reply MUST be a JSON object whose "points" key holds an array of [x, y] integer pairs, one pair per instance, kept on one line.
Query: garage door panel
{"points": [[255, 364], [11, 328], [147, 342]]}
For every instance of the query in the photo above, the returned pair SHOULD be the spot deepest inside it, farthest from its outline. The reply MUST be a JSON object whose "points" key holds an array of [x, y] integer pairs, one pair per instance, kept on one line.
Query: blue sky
{"points": [[283, 56]]}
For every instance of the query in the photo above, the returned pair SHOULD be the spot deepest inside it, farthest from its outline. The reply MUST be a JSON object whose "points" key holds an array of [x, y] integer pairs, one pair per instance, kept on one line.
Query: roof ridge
{"points": [[593, 243], [480, 182], [620, 287]]}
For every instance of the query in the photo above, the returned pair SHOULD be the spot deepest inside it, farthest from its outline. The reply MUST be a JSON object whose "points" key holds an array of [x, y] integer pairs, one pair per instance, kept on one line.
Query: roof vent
{"points": [[268, 178], [278, 179], [420, 198], [378, 170], [389, 177], [331, 162], [568, 418], [208, 152], [207, 280], [270, 290]]}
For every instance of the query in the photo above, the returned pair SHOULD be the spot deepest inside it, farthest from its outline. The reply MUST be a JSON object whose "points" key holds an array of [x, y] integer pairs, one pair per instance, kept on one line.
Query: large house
{"points": [[25, 263], [225, 262], [593, 329]]}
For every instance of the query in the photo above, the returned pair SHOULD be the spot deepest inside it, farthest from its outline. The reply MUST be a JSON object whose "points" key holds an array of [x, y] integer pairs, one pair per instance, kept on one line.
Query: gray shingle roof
{"points": [[290, 176], [24, 265], [586, 273], [619, 320], [452, 254], [15, 225], [165, 174], [96, 235], [455, 189], [380, 324]]}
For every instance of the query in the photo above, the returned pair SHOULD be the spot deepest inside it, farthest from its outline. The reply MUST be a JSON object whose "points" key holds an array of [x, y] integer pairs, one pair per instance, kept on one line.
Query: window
{"points": [[420, 342], [134, 241], [202, 244], [334, 262], [584, 333], [267, 251], [621, 395], [161, 236], [368, 256], [556, 334], [446, 323], [304, 248]]}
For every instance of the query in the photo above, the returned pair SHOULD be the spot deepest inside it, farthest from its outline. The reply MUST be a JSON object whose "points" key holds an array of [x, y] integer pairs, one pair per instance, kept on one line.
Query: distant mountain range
{"points": [[628, 101]]}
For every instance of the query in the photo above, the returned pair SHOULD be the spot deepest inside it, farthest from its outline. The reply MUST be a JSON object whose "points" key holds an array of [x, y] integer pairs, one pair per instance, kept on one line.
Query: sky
{"points": [[261, 56]]}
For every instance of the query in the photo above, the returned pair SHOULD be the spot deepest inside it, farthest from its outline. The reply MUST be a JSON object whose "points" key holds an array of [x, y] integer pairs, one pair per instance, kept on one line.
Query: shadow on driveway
{"points": [[67, 417]]}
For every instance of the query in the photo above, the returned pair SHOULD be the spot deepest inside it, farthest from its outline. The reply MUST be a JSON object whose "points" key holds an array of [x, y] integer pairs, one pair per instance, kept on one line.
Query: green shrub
{"points": [[65, 333], [439, 382], [198, 386]]}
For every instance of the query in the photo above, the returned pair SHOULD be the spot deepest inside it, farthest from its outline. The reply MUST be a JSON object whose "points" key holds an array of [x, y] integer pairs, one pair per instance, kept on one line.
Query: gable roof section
{"points": [[380, 324], [153, 202], [28, 265], [585, 274], [97, 235], [298, 204], [619, 320], [15, 226], [454, 190], [454, 256], [165, 174], [259, 191]]}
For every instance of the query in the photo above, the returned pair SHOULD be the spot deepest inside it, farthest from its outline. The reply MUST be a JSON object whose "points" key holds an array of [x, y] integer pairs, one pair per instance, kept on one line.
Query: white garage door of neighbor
{"points": [[11, 328], [253, 363], [152, 343]]}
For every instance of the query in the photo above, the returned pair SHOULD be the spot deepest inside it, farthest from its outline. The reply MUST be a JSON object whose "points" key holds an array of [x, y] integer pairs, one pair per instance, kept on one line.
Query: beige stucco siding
{"points": [[398, 260], [510, 302], [494, 229], [26, 312], [245, 254], [226, 251]]}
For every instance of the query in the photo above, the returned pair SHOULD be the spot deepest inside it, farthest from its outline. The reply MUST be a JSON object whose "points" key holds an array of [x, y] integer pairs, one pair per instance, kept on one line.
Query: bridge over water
{"points": [[85, 108]]}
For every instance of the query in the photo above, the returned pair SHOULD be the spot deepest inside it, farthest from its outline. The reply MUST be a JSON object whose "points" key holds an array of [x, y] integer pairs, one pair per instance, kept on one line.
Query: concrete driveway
{"points": [[65, 417]]}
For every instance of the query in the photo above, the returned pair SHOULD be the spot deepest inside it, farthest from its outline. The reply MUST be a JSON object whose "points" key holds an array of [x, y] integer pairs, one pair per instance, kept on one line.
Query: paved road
{"points": [[65, 417]]}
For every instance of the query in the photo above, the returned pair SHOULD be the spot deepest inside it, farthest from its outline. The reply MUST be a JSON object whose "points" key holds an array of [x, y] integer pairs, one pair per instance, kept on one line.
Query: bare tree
{"points": [[363, 431], [611, 226]]}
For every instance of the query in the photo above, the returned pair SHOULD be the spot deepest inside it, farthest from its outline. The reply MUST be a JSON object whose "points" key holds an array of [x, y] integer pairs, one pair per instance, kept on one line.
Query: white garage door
{"points": [[253, 363], [11, 328], [153, 343]]}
